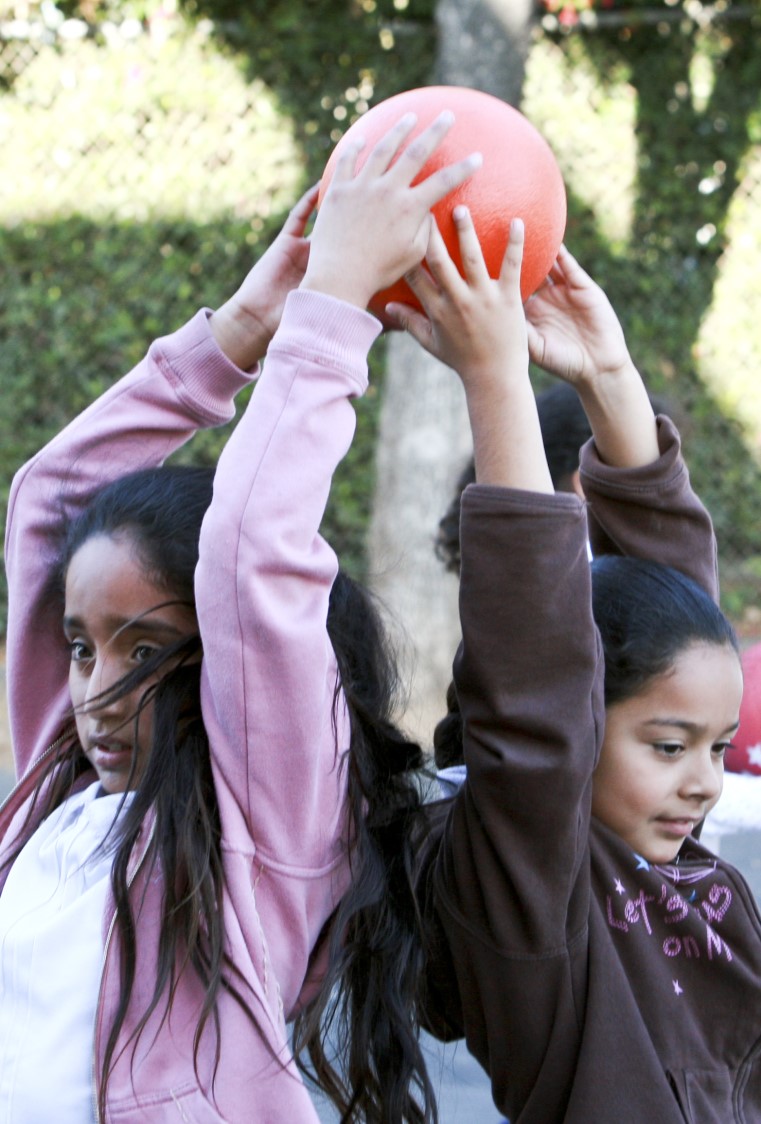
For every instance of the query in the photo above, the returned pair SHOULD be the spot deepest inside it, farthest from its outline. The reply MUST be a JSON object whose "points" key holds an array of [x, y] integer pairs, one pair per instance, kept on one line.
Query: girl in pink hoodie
{"points": [[191, 739]]}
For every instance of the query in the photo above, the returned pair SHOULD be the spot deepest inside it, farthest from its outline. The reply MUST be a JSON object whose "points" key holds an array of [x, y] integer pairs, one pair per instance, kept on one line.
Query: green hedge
{"points": [[81, 298], [80, 302]]}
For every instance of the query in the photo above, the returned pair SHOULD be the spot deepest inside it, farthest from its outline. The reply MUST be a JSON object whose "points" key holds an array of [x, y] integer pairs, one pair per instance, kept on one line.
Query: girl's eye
{"points": [[720, 748], [668, 749], [143, 652], [78, 651]]}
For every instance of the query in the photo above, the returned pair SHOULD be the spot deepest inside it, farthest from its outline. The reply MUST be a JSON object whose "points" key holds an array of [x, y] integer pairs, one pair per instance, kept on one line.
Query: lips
{"points": [[108, 745], [677, 826], [109, 754]]}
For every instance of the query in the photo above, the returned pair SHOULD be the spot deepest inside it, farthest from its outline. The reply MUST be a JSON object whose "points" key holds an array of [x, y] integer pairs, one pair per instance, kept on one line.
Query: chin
{"points": [[662, 856], [113, 785]]}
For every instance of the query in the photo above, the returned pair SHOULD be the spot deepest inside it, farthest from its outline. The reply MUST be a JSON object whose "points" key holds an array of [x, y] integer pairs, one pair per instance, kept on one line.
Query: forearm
{"points": [[183, 384], [241, 335], [507, 439], [621, 417]]}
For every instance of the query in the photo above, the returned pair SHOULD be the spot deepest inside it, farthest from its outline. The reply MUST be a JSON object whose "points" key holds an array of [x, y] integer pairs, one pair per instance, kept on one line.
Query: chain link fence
{"points": [[142, 121], [150, 120]]}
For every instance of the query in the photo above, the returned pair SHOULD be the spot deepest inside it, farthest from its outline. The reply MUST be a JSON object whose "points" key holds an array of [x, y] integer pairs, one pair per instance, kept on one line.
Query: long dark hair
{"points": [[647, 614], [375, 950], [160, 511], [362, 1032]]}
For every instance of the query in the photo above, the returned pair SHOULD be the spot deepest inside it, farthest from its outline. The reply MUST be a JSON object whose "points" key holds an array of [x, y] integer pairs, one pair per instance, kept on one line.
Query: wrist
{"points": [[240, 334], [610, 387], [622, 419], [342, 287], [494, 378], [594, 375]]}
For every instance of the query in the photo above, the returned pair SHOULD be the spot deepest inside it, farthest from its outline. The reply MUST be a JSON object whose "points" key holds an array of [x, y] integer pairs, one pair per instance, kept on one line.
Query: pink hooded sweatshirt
{"points": [[268, 683]]}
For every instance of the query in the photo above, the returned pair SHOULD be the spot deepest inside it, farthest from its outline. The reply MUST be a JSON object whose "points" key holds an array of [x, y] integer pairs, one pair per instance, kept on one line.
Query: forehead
{"points": [[107, 583], [704, 684]]}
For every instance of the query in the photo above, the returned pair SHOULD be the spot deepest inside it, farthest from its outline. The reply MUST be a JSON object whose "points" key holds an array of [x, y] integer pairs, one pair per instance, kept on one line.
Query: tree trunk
{"points": [[424, 437]]}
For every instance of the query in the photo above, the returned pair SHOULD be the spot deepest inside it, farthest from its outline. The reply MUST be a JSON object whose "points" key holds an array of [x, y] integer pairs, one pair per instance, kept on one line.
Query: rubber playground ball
{"points": [[519, 178]]}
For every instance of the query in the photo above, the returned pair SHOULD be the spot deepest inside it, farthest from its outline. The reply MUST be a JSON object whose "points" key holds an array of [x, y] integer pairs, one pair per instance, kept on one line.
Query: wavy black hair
{"points": [[375, 948], [361, 1035]]}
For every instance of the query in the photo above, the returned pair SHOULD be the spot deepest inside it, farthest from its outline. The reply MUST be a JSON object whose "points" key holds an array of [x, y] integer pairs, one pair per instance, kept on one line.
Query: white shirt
{"points": [[51, 959]]}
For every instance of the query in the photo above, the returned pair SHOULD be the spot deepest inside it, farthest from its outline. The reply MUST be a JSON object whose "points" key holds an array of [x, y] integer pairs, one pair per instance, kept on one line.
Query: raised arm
{"points": [[186, 382], [632, 473], [509, 886], [524, 593], [276, 719]]}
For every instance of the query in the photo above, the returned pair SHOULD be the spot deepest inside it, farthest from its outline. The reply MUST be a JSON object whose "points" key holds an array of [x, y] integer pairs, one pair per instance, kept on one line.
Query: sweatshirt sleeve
{"points": [[529, 682], [651, 512], [276, 720], [510, 882], [183, 384]]}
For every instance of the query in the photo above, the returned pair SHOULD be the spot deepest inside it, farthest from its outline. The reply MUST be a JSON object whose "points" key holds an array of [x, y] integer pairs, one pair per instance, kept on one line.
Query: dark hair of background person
{"points": [[374, 948], [565, 428]]}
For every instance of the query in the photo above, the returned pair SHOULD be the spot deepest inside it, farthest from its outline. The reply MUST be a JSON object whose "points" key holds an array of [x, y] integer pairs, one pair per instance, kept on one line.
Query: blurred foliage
{"points": [[327, 60], [81, 299], [79, 303], [141, 124], [674, 113], [566, 14], [191, 157]]}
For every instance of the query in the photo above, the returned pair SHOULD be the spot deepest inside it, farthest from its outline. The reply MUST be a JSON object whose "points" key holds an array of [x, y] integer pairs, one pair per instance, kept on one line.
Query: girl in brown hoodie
{"points": [[602, 964]]}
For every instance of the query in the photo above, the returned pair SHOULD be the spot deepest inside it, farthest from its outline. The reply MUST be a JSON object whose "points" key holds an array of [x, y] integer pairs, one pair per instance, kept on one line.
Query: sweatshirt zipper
{"points": [[94, 1078], [32, 767]]}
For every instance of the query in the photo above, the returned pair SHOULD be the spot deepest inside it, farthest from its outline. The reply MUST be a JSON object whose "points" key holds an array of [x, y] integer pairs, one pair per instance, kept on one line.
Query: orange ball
{"points": [[519, 178]]}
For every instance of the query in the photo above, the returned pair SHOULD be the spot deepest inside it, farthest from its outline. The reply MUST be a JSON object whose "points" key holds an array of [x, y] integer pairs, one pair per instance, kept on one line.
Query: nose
{"points": [[101, 682], [705, 778]]}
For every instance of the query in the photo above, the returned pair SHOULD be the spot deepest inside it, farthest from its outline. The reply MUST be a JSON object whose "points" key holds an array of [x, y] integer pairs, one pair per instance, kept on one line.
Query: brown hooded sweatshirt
{"points": [[594, 987]]}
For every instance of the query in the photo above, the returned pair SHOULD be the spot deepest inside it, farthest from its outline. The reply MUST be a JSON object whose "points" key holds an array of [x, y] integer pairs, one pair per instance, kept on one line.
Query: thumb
{"points": [[410, 320]]}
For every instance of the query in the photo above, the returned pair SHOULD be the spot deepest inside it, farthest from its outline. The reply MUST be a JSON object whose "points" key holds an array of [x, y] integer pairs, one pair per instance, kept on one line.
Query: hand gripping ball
{"points": [[519, 178]]}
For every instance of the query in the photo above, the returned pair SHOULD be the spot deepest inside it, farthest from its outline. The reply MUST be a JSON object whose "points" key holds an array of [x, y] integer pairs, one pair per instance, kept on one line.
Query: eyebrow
{"points": [[134, 624], [683, 724]]}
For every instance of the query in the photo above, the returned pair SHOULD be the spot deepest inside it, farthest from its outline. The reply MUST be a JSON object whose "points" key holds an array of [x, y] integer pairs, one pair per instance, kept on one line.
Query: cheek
{"points": [[145, 720], [607, 776], [617, 785], [76, 687]]}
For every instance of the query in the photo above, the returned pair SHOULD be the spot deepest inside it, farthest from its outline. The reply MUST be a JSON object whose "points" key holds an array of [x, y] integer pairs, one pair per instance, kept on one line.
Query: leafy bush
{"points": [[656, 139], [80, 303], [183, 159]]}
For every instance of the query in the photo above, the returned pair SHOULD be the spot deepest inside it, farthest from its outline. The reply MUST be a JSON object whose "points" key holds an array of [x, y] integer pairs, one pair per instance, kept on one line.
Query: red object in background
{"points": [[519, 177], [745, 756]]}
